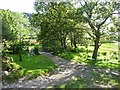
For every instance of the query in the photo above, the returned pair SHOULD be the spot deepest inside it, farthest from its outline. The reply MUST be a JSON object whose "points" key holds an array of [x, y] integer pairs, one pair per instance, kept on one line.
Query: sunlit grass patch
{"points": [[31, 67], [107, 55]]}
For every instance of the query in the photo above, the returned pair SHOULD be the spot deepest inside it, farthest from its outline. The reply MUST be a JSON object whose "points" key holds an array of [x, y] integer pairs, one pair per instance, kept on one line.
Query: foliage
{"points": [[96, 14], [11, 68], [62, 29], [50, 18], [105, 59], [63, 25], [15, 28], [8, 25], [36, 50], [13, 24]]}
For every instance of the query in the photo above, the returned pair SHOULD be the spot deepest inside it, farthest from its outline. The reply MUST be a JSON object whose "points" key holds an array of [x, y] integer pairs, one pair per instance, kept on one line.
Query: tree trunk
{"points": [[74, 42], [20, 57], [71, 40], [20, 53], [96, 47], [61, 43], [71, 43], [75, 46], [64, 43]]}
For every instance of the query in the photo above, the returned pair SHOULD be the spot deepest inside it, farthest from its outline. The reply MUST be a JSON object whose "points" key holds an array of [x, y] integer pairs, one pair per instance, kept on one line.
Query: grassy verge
{"points": [[31, 67]]}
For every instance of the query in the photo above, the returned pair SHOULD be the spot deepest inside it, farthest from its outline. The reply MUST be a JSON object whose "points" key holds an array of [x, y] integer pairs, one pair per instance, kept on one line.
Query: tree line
{"points": [[64, 25]]}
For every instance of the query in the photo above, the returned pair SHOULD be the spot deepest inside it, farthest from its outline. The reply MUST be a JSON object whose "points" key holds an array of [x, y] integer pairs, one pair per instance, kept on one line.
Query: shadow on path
{"points": [[66, 71]]}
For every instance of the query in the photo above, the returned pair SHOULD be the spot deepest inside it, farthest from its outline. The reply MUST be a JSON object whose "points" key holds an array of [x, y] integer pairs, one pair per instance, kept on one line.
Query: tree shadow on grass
{"points": [[70, 54], [87, 76], [91, 76]]}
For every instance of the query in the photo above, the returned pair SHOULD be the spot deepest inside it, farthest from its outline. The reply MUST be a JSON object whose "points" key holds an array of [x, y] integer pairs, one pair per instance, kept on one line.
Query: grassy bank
{"points": [[30, 67]]}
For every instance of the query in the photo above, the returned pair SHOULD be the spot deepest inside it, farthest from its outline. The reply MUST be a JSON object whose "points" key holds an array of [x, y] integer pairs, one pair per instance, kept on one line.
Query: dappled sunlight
{"points": [[38, 62], [62, 44], [30, 67], [74, 75], [106, 56], [103, 86], [100, 80]]}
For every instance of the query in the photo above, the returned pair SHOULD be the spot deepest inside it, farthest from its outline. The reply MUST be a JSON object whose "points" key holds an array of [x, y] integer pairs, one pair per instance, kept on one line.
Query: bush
{"points": [[14, 70], [4, 53], [15, 48], [114, 53], [116, 58], [90, 51], [73, 50], [98, 53], [36, 50], [9, 65], [80, 50], [104, 53]]}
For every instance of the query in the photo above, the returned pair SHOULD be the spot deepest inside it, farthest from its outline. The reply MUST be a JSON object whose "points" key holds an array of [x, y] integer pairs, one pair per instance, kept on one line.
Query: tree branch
{"points": [[116, 13], [89, 33], [104, 21], [90, 24], [90, 14]]}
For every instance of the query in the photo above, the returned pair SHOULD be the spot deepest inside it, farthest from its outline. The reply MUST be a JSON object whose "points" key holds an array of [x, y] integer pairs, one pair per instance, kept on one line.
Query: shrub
{"points": [[114, 53], [14, 70], [89, 56], [36, 50], [116, 57], [80, 50], [104, 53], [15, 48], [89, 51], [72, 50], [98, 53]]}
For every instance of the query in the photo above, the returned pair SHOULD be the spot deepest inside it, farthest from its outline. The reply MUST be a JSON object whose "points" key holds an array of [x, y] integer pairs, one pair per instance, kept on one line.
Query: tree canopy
{"points": [[62, 23]]}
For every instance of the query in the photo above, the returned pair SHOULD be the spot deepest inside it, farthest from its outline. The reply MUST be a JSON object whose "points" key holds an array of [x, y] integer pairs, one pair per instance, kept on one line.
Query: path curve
{"points": [[66, 71]]}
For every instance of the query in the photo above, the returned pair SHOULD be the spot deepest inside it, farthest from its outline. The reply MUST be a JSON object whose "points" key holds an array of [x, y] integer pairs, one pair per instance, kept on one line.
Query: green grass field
{"points": [[40, 65], [107, 56], [31, 67], [107, 59]]}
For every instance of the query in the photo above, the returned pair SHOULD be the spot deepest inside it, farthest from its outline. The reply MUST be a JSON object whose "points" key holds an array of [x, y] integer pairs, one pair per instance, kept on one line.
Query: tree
{"points": [[23, 30], [55, 24], [14, 28], [8, 25], [96, 14]]}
